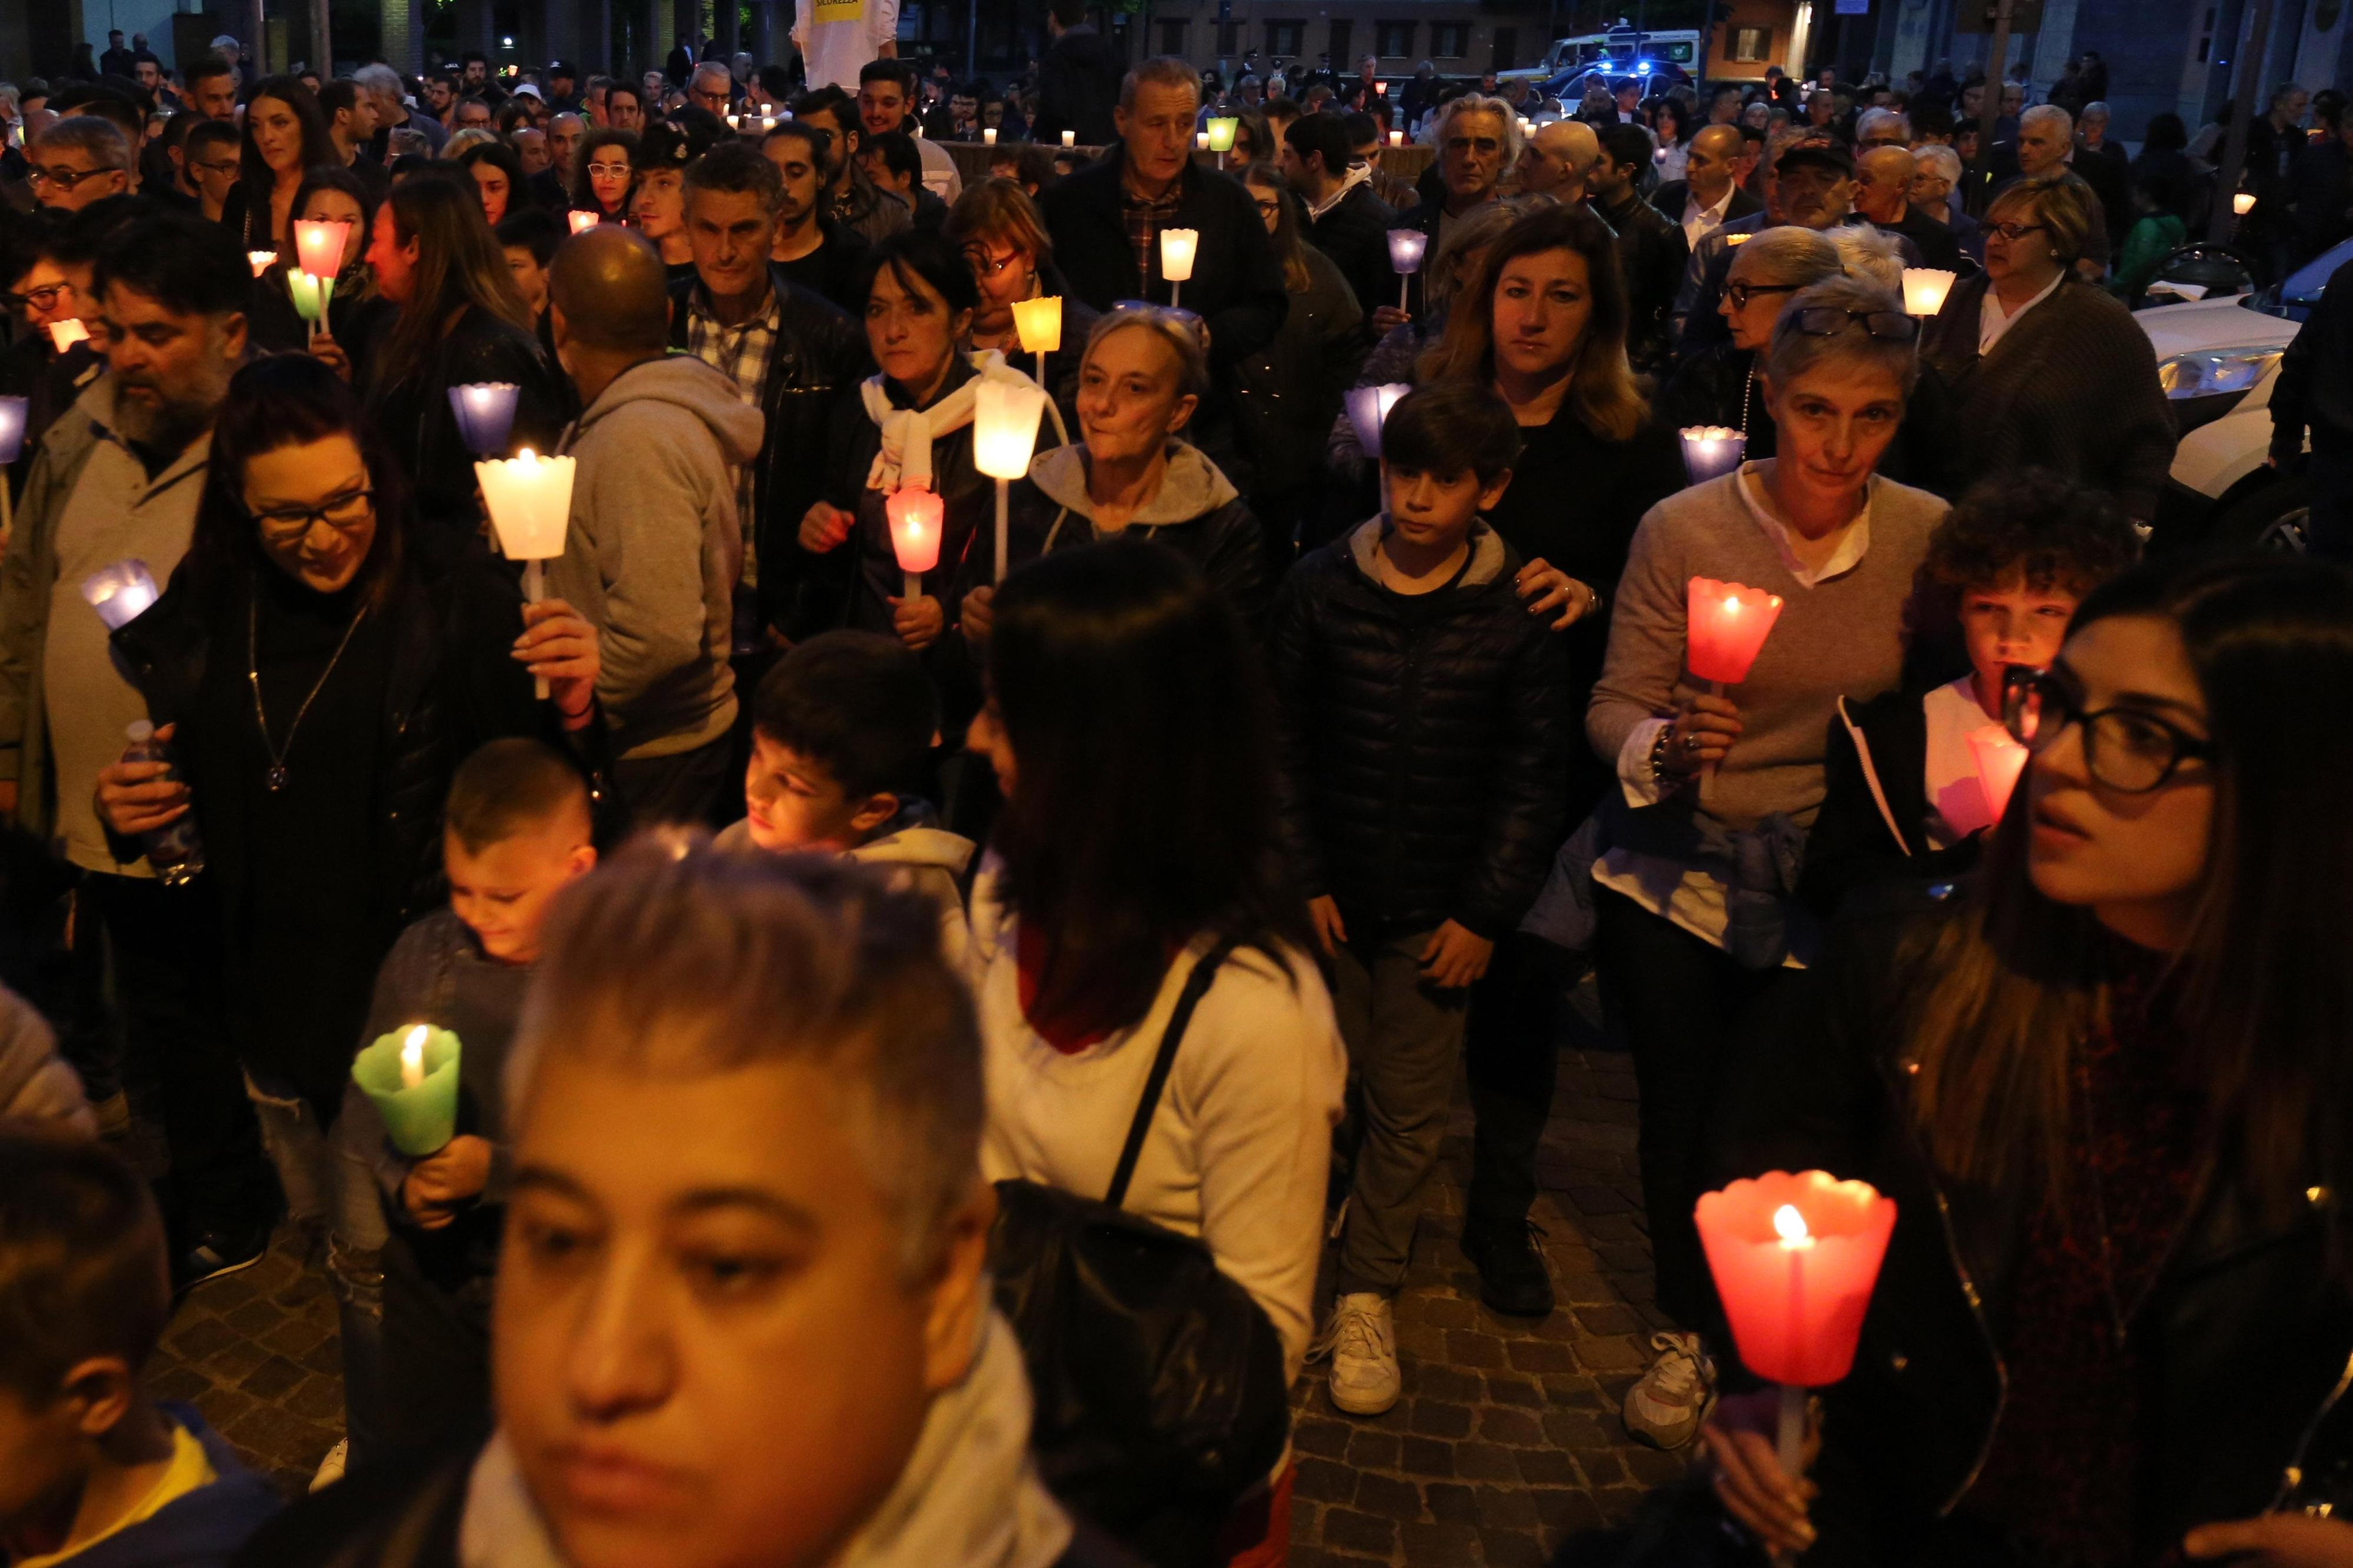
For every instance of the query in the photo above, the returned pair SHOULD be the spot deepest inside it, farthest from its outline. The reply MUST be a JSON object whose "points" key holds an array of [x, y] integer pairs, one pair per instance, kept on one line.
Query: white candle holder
{"points": [[1004, 434], [1178, 249], [1925, 289], [529, 499], [1406, 248]]}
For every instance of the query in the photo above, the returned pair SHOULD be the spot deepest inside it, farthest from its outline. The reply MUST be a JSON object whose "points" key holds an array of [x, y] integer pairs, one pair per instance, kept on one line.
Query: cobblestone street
{"points": [[1507, 1441]]}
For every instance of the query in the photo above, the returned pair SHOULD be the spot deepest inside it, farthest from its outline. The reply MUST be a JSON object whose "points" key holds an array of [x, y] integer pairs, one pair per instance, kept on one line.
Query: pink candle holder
{"points": [[1728, 626], [2001, 760], [915, 516]]}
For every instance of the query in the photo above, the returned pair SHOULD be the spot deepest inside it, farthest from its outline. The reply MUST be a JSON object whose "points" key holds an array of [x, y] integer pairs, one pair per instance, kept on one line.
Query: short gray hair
{"points": [[2098, 106], [1171, 327], [713, 67], [1789, 253], [380, 81], [101, 140], [1865, 253], [677, 959], [1937, 155], [1480, 103], [1873, 119], [1160, 70], [2042, 111], [1794, 352]]}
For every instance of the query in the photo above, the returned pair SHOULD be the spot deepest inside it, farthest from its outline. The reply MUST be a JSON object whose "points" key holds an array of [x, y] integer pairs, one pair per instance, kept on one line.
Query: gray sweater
{"points": [[1841, 637], [655, 546]]}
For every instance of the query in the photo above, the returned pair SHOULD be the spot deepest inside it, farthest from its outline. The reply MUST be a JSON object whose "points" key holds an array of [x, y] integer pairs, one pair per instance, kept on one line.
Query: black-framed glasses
{"points": [[2125, 749], [65, 179], [2015, 230], [1830, 321], [43, 299], [1741, 293], [227, 168], [345, 514]]}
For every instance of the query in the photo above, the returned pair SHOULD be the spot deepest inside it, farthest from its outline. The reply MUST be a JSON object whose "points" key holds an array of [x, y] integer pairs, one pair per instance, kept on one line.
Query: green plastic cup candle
{"points": [[411, 1076]]}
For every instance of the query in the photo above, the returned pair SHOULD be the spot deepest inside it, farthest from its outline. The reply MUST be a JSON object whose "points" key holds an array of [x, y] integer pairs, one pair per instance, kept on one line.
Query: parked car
{"points": [[2217, 360]]}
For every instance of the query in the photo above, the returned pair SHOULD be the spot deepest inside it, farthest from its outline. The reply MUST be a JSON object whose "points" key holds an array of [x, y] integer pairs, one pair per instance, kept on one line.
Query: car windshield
{"points": [[2300, 291]]}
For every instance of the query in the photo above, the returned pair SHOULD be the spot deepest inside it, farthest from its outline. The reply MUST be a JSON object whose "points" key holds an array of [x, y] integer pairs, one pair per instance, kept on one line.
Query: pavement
{"points": [[1507, 1441]]}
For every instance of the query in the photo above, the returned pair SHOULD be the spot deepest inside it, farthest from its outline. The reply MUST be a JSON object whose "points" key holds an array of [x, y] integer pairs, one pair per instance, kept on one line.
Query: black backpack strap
{"points": [[1197, 986]]}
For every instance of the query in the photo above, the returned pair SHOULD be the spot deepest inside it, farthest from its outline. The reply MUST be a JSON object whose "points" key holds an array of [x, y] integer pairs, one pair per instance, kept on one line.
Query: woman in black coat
{"points": [[2113, 1322], [357, 316]]}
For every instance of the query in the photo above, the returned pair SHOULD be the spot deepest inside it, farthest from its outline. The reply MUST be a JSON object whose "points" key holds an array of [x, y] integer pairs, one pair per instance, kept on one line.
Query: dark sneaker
{"points": [[213, 1253], [1513, 1279]]}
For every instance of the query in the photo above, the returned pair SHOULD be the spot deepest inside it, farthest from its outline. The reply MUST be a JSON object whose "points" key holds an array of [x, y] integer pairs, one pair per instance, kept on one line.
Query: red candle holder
{"points": [[1728, 626], [915, 516]]}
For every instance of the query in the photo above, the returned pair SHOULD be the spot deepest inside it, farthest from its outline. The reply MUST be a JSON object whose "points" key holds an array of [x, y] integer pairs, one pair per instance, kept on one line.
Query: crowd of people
{"points": [[949, 1030]]}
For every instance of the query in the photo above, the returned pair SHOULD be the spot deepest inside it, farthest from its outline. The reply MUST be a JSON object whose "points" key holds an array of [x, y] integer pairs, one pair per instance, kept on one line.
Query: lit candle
{"points": [[261, 261], [65, 333], [1924, 288], [2242, 203], [1727, 625], [1740, 238], [1005, 418], [914, 516], [1712, 451], [1795, 1258], [1406, 248], [319, 245], [1221, 136], [410, 1076], [1382, 88], [485, 411], [12, 428], [988, 135], [735, 123], [121, 592], [1039, 324], [1070, 138], [1396, 138], [582, 220], [2001, 759], [1369, 409], [1177, 249], [530, 502], [1201, 141]]}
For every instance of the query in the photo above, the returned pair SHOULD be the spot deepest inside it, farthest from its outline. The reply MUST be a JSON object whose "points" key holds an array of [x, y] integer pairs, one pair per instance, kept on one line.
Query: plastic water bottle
{"points": [[176, 850]]}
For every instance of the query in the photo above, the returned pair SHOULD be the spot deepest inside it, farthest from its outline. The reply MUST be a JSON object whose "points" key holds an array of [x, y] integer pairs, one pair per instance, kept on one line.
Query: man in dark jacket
{"points": [[1406, 669], [789, 353], [1106, 222], [1078, 81], [1345, 220], [2315, 392], [1707, 195], [1650, 249], [1882, 193]]}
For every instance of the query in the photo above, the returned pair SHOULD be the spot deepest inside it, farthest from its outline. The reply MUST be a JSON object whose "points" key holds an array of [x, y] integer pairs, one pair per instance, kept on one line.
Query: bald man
{"points": [[1559, 160], [657, 445], [1707, 196], [1882, 193]]}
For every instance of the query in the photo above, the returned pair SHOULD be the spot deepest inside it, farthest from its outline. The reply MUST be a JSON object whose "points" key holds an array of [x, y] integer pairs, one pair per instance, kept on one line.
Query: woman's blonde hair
{"points": [[999, 209], [1601, 387]]}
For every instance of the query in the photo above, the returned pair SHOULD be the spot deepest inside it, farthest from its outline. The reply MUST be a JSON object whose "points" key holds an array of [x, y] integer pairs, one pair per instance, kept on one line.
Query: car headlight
{"points": [[2215, 372]]}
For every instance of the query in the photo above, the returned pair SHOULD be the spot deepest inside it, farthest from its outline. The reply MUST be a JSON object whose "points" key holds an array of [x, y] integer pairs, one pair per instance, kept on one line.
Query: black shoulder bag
{"points": [[1158, 1380]]}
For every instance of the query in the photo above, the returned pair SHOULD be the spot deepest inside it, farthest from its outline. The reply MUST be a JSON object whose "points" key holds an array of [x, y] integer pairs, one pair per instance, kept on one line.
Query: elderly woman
{"points": [[1004, 240], [2046, 371], [1697, 926], [1718, 384], [1143, 370]]}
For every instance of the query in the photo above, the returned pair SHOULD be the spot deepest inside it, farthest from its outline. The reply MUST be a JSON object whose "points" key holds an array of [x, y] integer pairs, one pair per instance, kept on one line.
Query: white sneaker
{"points": [[1361, 1340], [1666, 1407], [331, 1468]]}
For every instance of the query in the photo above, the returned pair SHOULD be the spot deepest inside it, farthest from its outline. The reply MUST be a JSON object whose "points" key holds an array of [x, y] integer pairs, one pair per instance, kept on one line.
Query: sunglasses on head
{"points": [[1830, 321]]}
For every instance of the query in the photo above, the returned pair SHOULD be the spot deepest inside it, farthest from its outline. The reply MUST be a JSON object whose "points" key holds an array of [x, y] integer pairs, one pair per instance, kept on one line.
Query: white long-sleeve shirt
{"points": [[1241, 1147]]}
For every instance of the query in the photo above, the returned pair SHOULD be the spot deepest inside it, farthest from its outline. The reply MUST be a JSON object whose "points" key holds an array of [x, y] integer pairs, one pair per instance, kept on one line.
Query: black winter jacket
{"points": [[817, 361], [1651, 255], [415, 415], [453, 684], [2247, 1334], [1423, 740], [1354, 232], [1873, 822]]}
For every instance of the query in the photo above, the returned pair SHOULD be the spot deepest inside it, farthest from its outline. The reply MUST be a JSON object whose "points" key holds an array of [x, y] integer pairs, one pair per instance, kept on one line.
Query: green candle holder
{"points": [[419, 1120]]}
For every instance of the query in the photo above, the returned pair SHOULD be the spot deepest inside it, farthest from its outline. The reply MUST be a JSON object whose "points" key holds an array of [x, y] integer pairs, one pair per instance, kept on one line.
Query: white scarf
{"points": [[905, 458]]}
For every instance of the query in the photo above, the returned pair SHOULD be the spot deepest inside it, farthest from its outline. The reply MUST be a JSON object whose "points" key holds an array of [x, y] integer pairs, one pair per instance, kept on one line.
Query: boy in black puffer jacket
{"points": [[1425, 728]]}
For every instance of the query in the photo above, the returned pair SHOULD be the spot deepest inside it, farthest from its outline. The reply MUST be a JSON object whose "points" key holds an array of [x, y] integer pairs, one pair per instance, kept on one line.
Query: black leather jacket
{"points": [[816, 361], [2248, 1333]]}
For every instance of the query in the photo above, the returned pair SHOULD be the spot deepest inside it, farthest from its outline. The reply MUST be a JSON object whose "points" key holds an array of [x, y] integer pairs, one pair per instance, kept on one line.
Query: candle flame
{"points": [[412, 1058], [1732, 608], [1790, 1225], [525, 456]]}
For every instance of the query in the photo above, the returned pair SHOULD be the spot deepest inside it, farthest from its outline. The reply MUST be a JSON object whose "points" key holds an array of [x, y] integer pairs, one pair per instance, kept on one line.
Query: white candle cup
{"points": [[988, 135], [121, 594], [485, 411], [1178, 249], [1396, 138], [1201, 142], [1924, 288], [1070, 138], [2242, 203], [583, 221], [529, 499], [64, 334], [1369, 408], [1005, 418], [261, 261], [1712, 451]]}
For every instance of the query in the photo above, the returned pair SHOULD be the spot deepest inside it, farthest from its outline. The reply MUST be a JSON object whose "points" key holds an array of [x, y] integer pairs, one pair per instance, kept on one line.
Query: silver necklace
{"points": [[276, 777]]}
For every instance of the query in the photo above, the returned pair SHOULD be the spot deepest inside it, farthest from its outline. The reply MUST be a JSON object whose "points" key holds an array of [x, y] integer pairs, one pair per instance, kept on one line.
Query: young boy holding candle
{"points": [[841, 728], [93, 1474], [516, 830], [1408, 670]]}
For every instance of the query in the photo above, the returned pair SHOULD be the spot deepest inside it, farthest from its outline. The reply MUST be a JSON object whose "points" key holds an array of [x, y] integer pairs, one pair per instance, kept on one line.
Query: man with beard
{"points": [[118, 479], [851, 199], [809, 248]]}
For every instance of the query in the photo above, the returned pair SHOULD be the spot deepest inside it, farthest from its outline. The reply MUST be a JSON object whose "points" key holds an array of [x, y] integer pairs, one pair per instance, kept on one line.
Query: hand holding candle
{"points": [[410, 1076], [529, 501], [2001, 759]]}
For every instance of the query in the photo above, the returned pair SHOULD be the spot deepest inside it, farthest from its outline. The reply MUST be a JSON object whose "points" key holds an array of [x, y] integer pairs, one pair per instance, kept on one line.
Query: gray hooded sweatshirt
{"points": [[655, 548]]}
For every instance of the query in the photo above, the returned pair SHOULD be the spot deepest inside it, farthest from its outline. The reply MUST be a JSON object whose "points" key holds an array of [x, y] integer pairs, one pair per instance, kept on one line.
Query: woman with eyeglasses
{"points": [[462, 321], [285, 136], [607, 182], [320, 668], [911, 429], [1286, 397], [2104, 1088], [357, 316], [1905, 799], [1702, 835], [2047, 371], [1004, 240]]}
